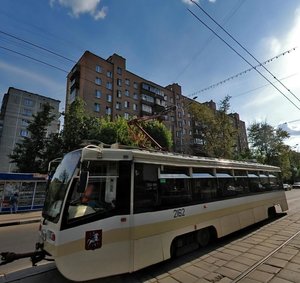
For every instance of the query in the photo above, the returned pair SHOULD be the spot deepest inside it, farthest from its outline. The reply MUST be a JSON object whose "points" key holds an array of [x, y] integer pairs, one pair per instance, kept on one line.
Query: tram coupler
{"points": [[35, 257]]}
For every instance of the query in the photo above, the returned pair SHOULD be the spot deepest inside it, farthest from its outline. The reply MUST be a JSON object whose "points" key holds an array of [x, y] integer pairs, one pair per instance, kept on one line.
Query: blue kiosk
{"points": [[31, 189]]}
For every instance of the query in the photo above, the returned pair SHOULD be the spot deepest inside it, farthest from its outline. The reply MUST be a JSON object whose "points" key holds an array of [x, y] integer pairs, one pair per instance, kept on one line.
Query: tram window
{"points": [[101, 168], [226, 184], [275, 181], [254, 182], [175, 170], [241, 181], [146, 196], [204, 189], [103, 197], [175, 192], [264, 181]]}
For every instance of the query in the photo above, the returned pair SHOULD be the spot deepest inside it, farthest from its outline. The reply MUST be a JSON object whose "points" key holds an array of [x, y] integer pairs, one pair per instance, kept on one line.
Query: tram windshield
{"points": [[59, 184]]}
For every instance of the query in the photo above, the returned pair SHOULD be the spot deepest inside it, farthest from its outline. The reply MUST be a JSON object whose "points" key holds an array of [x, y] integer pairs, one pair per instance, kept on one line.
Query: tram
{"points": [[111, 210]]}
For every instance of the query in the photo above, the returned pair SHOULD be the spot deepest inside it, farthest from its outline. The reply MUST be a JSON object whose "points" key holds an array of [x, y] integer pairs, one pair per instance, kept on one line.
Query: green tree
{"points": [[267, 146], [213, 129], [74, 131], [158, 131], [29, 154]]}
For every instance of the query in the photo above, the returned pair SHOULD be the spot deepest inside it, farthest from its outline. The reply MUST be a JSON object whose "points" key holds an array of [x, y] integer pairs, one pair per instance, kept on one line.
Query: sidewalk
{"points": [[20, 218]]}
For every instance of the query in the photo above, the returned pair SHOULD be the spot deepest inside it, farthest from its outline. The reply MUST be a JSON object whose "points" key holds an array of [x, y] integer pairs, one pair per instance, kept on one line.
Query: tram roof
{"points": [[169, 158]]}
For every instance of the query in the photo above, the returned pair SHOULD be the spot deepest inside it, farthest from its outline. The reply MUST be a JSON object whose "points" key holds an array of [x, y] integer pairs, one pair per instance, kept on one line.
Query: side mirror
{"points": [[83, 180]]}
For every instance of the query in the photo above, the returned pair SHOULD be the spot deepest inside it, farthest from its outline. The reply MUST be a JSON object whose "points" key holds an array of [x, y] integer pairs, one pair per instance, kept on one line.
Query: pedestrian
{"points": [[13, 202]]}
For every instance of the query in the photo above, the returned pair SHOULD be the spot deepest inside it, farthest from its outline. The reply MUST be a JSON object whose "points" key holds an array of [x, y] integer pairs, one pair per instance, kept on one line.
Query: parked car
{"points": [[296, 185], [287, 187]]}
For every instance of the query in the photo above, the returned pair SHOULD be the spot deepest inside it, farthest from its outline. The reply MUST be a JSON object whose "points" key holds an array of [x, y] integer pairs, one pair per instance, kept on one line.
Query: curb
{"points": [[19, 222], [25, 273]]}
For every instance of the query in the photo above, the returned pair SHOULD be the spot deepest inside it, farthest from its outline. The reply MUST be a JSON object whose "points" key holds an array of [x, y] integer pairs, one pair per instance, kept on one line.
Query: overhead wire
{"points": [[235, 51], [37, 46], [241, 73], [245, 49], [209, 39], [42, 62]]}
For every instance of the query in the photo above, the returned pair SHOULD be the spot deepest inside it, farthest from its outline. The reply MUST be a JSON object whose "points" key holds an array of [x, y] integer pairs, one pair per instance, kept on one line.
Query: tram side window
{"points": [[226, 184], [204, 189], [275, 181], [264, 181], [175, 189], [254, 182], [175, 192], [146, 196], [241, 181]]}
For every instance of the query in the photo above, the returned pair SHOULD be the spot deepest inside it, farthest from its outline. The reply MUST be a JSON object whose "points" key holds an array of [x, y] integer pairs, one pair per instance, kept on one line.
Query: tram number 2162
{"points": [[179, 212]]}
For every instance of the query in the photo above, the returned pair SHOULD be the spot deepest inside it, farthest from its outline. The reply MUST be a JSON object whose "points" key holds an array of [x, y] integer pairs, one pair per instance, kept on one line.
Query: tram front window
{"points": [[58, 186], [99, 196]]}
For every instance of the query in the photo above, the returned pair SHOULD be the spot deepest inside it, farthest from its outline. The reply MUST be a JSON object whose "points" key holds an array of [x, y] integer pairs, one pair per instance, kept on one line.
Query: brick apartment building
{"points": [[109, 89], [17, 109]]}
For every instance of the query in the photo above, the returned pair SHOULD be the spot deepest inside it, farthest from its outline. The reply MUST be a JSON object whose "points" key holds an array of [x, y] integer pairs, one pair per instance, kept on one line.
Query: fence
{"points": [[31, 189]]}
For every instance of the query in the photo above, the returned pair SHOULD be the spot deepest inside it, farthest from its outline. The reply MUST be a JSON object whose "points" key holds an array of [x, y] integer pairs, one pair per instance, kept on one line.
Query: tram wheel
{"points": [[203, 237]]}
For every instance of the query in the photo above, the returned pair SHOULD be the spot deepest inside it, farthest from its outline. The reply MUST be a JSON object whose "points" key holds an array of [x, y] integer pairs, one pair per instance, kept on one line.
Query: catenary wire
{"points": [[240, 73], [235, 51], [37, 46], [41, 62], [209, 39], [245, 49]]}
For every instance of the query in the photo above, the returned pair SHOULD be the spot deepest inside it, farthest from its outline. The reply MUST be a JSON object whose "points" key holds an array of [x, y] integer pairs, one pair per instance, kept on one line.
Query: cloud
{"points": [[189, 2], [30, 76], [79, 7], [290, 128]]}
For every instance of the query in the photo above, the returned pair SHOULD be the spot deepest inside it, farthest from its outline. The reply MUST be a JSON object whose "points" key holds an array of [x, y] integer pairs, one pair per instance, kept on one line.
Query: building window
{"points": [[28, 102], [126, 104], [135, 85], [24, 133], [119, 93], [98, 81], [108, 110], [179, 115], [135, 96], [146, 108], [98, 93], [109, 97], [127, 92], [148, 98], [109, 85], [190, 132], [27, 112], [109, 74], [127, 82], [126, 116], [119, 70], [98, 69], [25, 122], [134, 106], [118, 106], [180, 124], [97, 107], [119, 82]]}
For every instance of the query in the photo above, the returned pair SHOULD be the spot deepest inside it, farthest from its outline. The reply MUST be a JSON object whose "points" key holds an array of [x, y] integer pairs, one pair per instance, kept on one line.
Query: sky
{"points": [[163, 42]]}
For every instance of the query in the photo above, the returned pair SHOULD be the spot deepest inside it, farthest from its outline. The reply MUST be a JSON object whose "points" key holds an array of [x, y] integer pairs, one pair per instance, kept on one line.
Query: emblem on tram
{"points": [[93, 239]]}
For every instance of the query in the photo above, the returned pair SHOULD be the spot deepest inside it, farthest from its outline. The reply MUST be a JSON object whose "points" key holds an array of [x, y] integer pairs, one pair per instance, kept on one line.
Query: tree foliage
{"points": [[30, 155], [267, 146], [213, 129]]}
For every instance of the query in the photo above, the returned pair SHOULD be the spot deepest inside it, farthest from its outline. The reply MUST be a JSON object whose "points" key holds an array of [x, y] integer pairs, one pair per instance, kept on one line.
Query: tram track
{"points": [[263, 260]]}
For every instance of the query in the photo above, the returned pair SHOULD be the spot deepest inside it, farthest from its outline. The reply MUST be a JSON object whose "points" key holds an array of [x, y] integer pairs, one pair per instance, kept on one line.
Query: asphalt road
{"points": [[19, 239], [22, 238]]}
